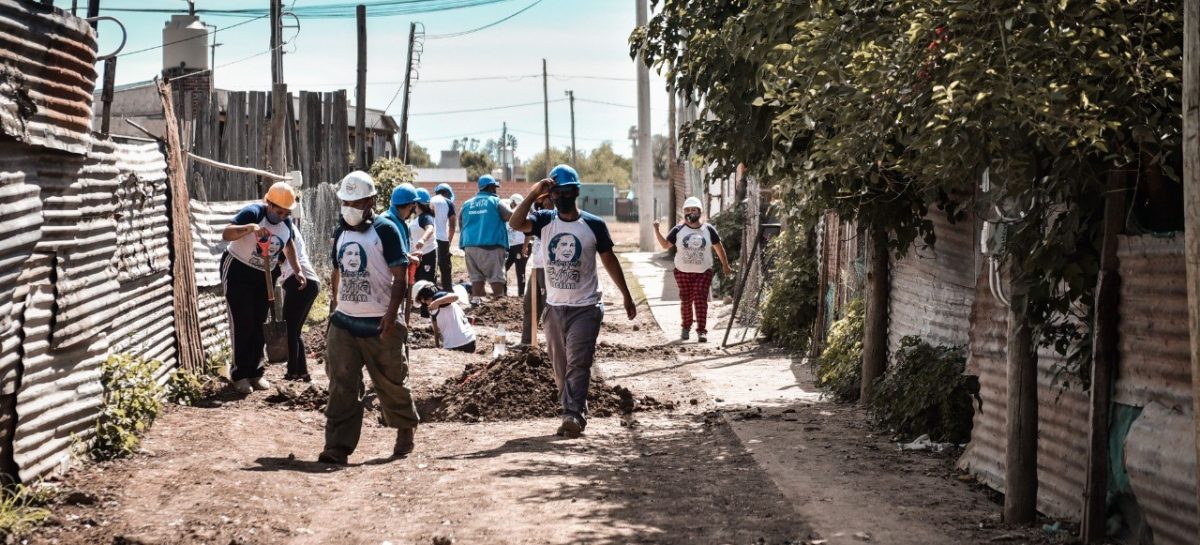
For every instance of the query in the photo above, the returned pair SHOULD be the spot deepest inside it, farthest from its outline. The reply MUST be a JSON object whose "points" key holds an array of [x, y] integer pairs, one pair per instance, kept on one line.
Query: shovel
{"points": [[274, 329]]}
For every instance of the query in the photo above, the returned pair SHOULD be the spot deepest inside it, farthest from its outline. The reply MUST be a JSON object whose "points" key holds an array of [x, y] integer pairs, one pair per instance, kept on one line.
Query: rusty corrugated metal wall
{"points": [[932, 289], [1155, 374], [84, 242], [1062, 414]]}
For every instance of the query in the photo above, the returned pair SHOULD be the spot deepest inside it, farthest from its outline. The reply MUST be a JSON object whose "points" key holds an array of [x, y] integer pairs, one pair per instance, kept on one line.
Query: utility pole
{"points": [[546, 111], [574, 155], [360, 93], [93, 10], [503, 154], [645, 163], [408, 67], [212, 59], [672, 156], [279, 127], [1191, 195]]}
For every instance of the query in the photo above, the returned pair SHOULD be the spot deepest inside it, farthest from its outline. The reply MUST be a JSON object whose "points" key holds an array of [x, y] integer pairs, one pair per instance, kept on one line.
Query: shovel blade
{"points": [[275, 334]]}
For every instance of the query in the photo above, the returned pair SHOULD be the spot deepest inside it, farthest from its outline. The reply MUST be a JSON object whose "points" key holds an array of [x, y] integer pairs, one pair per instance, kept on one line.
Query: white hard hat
{"points": [[692, 202], [356, 185], [418, 286]]}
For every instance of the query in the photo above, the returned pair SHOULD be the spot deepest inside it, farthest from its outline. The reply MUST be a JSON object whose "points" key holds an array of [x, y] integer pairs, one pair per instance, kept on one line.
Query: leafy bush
{"points": [[730, 225], [185, 388], [839, 368], [389, 173], [131, 402], [23, 507], [792, 297], [925, 391]]}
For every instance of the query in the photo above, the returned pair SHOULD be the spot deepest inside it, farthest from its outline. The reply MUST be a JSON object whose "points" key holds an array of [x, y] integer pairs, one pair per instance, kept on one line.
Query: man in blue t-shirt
{"points": [[573, 240], [484, 238], [365, 330]]}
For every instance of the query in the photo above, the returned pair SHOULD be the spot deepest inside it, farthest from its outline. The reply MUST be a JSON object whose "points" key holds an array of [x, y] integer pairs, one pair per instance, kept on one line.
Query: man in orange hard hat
{"points": [[259, 236]]}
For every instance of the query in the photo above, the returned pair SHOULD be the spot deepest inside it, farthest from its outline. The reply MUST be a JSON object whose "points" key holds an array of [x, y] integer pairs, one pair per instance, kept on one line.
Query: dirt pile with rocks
{"points": [[505, 311], [606, 349], [299, 396], [520, 384]]}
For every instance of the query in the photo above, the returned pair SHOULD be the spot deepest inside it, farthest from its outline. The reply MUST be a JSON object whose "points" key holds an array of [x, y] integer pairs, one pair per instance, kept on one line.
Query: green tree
{"points": [[418, 156], [604, 166], [389, 173], [477, 164], [535, 167]]}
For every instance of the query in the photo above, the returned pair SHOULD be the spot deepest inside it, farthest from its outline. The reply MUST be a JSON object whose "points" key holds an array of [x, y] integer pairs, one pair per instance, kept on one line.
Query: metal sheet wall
{"points": [[47, 75], [20, 225], [1062, 415], [1155, 373], [933, 288]]}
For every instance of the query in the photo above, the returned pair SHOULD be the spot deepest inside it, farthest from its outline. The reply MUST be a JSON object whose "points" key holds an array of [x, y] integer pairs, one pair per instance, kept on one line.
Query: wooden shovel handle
{"points": [[264, 247]]}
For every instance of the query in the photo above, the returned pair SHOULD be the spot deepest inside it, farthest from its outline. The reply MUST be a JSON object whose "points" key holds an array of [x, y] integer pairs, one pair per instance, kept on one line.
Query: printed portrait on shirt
{"points": [[564, 252], [274, 245], [355, 283], [693, 248]]}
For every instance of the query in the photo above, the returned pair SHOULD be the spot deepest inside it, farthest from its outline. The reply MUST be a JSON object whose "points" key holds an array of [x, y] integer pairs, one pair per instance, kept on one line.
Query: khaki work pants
{"points": [[384, 358]]}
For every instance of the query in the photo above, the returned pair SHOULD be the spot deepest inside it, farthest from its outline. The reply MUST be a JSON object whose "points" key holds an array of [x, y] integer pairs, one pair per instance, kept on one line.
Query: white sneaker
{"points": [[242, 386], [260, 383]]}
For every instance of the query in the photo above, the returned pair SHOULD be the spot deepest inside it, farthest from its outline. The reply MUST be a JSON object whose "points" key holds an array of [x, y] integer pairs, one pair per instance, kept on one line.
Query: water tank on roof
{"points": [[185, 44]]}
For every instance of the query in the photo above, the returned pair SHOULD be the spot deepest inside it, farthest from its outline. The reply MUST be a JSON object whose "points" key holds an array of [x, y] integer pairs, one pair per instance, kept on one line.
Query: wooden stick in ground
{"points": [[533, 306]]}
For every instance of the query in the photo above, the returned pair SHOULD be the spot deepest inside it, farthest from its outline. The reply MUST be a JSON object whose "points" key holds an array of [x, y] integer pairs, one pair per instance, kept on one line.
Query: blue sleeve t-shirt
{"points": [[364, 261], [571, 249]]}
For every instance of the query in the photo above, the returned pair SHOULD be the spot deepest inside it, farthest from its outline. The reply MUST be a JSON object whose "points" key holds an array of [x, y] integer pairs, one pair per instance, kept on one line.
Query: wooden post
{"points": [[279, 128], [546, 118], [533, 307], [1191, 197], [106, 95], [412, 35], [1105, 354], [1020, 471], [360, 94], [874, 351], [183, 266]]}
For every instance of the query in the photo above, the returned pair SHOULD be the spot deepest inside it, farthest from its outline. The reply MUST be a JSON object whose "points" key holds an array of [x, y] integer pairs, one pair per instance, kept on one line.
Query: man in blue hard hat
{"points": [[444, 223], [485, 239], [573, 239]]}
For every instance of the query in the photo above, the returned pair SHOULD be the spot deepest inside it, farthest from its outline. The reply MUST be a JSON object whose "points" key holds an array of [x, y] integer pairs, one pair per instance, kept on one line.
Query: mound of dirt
{"points": [[520, 384], [505, 311], [309, 397], [606, 349]]}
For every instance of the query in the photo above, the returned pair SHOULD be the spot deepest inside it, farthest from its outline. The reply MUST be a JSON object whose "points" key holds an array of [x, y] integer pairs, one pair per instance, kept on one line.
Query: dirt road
{"points": [[722, 467]]}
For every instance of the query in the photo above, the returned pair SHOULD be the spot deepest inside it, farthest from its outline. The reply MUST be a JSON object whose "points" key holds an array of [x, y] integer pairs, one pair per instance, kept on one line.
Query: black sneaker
{"points": [[298, 377], [687, 334], [330, 457], [701, 338], [571, 427]]}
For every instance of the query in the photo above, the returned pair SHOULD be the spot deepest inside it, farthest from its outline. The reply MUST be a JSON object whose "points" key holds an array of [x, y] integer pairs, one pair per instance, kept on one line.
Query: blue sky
{"points": [[576, 37]]}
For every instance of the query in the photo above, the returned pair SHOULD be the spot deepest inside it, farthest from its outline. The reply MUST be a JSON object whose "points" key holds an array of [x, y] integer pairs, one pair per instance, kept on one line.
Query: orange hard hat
{"points": [[282, 195]]}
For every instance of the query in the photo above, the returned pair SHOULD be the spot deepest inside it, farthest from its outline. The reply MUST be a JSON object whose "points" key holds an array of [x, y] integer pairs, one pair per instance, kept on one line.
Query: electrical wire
{"points": [[230, 63], [484, 27], [340, 10], [487, 109], [510, 79], [589, 101], [152, 48]]}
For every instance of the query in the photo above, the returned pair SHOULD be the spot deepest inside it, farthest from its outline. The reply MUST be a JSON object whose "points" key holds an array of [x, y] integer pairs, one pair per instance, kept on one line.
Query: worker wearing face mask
{"points": [[365, 328], [260, 235], [694, 243]]}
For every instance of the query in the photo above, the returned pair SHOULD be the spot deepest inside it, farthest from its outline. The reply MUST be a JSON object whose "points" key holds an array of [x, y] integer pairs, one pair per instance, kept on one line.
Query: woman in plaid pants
{"points": [[694, 243]]}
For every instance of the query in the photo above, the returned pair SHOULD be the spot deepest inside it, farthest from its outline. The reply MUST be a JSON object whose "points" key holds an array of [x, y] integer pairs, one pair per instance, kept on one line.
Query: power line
{"points": [[487, 109], [341, 10], [510, 79], [606, 103], [484, 27], [152, 48], [230, 63]]}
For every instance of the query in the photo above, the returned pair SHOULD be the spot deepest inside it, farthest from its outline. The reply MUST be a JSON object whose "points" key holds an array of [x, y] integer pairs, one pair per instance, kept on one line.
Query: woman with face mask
{"points": [[261, 235], [694, 243]]}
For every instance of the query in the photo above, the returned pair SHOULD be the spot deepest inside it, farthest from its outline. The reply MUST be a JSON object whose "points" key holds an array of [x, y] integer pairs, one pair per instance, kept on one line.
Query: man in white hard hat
{"points": [[368, 286], [694, 243]]}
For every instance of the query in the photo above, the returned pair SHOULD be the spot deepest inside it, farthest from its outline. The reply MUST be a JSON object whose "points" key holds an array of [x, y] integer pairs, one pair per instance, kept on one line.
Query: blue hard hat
{"points": [[486, 181], [404, 194], [423, 195], [444, 187], [564, 175]]}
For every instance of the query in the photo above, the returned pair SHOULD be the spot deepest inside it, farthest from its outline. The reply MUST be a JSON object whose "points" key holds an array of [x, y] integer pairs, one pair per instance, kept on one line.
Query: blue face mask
{"points": [[273, 217]]}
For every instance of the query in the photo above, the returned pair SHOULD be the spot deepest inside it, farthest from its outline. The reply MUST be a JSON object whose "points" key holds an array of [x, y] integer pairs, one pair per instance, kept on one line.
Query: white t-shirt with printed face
{"points": [[571, 249], [453, 325], [693, 247], [246, 249], [364, 261]]}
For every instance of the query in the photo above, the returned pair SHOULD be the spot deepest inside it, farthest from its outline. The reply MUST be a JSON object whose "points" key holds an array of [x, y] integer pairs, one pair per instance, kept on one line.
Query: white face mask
{"points": [[352, 215]]}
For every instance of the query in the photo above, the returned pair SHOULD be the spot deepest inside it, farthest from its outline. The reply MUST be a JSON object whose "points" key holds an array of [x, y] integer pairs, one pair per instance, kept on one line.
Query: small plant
{"points": [[924, 391], [839, 368], [131, 402], [23, 508], [319, 314], [185, 388], [790, 306]]}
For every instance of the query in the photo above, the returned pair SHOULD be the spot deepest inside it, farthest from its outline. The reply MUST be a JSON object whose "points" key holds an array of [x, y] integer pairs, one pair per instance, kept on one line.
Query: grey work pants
{"points": [[383, 356], [571, 334]]}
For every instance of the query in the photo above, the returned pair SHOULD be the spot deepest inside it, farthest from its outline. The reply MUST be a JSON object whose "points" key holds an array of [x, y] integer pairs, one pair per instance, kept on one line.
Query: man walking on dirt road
{"points": [[368, 285], [573, 239]]}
